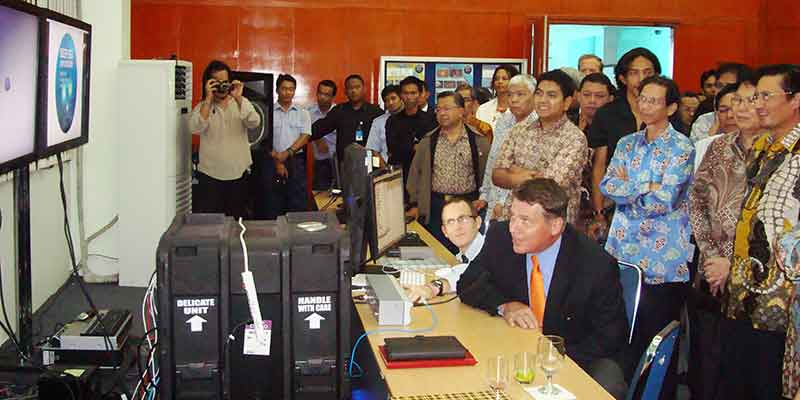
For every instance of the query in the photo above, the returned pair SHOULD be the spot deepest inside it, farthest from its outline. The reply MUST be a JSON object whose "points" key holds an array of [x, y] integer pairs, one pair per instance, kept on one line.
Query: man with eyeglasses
{"points": [[618, 119], [705, 121], [537, 272], [449, 162], [648, 180], [715, 201], [725, 122], [460, 224], [759, 302]]}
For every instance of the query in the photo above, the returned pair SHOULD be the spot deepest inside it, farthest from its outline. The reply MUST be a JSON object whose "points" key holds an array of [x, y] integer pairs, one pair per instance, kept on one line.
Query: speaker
{"points": [[258, 88]]}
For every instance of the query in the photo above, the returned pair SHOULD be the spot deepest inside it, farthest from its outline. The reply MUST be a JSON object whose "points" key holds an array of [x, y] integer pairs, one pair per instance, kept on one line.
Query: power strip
{"points": [[388, 300]]}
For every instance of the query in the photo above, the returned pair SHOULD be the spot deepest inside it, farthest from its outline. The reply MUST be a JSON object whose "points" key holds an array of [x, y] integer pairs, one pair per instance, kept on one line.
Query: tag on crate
{"points": [[254, 347]]}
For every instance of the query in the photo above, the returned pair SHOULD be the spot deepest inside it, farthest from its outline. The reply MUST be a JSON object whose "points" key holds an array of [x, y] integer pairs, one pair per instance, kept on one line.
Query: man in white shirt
{"points": [[376, 141], [323, 148], [286, 191], [460, 224]]}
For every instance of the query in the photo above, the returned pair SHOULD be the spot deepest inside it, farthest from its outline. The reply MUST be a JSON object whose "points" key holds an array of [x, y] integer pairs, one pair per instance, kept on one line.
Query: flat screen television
{"points": [[19, 63], [64, 83]]}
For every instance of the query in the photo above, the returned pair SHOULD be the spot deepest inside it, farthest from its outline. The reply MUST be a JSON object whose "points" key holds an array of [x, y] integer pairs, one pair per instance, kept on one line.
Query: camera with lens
{"points": [[223, 87]]}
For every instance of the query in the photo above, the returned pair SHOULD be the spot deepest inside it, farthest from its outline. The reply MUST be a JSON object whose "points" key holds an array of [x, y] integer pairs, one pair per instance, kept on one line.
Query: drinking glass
{"points": [[524, 367], [551, 358], [497, 374]]}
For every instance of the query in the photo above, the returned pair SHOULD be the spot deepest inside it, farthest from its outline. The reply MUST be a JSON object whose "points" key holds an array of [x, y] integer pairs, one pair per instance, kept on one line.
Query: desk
{"points": [[485, 336]]}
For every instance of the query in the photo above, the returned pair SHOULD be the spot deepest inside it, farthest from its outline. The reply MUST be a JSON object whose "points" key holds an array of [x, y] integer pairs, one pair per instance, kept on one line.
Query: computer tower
{"points": [[302, 288]]}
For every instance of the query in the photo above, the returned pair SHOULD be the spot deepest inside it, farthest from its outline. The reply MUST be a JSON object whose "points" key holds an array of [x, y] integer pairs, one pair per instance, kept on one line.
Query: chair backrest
{"points": [[631, 278], [657, 356]]}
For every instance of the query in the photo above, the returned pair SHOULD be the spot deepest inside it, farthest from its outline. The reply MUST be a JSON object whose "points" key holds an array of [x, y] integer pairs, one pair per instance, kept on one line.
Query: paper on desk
{"points": [[563, 394]]}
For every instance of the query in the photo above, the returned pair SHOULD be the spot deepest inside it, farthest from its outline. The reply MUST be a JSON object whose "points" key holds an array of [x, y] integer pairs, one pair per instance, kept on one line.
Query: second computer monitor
{"points": [[388, 212]]}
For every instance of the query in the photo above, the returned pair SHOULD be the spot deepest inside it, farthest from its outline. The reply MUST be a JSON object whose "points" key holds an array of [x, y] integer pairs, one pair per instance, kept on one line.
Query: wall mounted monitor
{"points": [[19, 63], [64, 85]]}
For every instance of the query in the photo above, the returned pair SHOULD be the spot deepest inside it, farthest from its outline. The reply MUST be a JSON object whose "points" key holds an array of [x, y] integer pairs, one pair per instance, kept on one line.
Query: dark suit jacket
{"points": [[584, 303]]}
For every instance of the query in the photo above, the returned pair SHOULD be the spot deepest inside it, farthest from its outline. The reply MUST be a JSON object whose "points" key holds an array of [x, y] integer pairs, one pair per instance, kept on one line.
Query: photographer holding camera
{"points": [[222, 119]]}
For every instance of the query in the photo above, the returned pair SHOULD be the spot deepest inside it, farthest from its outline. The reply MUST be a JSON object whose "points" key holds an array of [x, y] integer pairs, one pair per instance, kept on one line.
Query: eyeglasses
{"points": [[739, 100], [461, 220], [650, 100], [445, 109], [765, 95], [724, 110]]}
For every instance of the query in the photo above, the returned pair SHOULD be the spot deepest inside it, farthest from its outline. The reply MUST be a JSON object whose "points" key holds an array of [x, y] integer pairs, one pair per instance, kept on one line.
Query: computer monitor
{"points": [[64, 85], [388, 211], [356, 194], [19, 61]]}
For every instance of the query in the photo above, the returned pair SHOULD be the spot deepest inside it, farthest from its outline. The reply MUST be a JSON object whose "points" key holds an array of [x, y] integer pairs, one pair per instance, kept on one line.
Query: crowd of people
{"points": [[541, 189]]}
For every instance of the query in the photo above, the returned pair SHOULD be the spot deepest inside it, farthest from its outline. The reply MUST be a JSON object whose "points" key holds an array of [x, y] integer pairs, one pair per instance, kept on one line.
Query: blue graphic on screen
{"points": [[66, 83]]}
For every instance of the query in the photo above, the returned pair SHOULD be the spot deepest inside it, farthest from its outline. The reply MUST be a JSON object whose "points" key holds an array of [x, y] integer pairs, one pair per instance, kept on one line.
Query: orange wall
{"points": [[327, 39], [781, 32]]}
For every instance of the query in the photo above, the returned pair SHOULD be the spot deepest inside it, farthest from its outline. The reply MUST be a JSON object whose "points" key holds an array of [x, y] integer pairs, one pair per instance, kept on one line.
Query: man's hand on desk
{"points": [[519, 314], [418, 292]]}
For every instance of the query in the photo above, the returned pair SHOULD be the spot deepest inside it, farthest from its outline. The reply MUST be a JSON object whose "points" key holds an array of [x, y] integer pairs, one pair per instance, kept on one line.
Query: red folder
{"points": [[446, 362]]}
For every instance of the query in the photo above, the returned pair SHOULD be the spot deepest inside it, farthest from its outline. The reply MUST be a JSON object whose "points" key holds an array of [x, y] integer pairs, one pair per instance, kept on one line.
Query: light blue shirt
{"points": [[315, 113], [289, 125], [547, 264], [377, 136], [651, 228]]}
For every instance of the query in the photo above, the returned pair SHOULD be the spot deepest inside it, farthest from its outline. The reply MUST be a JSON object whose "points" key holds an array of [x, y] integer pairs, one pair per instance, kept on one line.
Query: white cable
{"points": [[244, 245]]}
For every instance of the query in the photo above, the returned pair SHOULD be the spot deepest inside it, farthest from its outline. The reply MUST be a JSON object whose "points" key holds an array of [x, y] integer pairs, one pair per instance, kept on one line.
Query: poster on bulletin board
{"points": [[397, 71], [449, 76], [441, 73]]}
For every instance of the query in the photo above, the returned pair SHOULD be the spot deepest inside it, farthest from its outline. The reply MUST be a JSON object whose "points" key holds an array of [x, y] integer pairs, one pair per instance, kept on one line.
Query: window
{"points": [[567, 42]]}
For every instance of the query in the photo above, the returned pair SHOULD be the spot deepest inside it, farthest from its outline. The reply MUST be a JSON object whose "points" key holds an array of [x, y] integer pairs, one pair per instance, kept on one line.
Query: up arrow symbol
{"points": [[196, 323], [313, 320]]}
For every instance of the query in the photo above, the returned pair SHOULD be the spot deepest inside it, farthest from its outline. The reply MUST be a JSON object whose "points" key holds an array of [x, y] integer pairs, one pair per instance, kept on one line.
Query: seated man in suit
{"points": [[538, 272]]}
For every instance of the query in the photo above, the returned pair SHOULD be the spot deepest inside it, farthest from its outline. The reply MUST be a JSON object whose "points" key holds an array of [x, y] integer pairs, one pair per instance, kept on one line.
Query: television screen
{"points": [[67, 94], [19, 59]]}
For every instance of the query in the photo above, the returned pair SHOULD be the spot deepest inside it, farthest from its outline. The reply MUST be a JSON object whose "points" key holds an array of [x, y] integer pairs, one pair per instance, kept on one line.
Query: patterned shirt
{"points": [[790, 246], [452, 166], [758, 291], [716, 195], [651, 227], [480, 126], [702, 126], [490, 193], [558, 153]]}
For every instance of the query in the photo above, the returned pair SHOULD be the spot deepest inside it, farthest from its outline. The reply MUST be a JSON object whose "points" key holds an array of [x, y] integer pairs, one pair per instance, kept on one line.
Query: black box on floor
{"points": [[303, 291]]}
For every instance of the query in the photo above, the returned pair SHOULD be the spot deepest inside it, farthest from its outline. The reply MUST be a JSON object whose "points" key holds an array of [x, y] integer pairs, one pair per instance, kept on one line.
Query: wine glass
{"points": [[551, 359], [497, 374], [524, 367]]}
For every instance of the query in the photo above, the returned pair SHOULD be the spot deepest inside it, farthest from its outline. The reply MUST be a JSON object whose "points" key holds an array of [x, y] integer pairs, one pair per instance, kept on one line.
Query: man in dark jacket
{"points": [[537, 272]]}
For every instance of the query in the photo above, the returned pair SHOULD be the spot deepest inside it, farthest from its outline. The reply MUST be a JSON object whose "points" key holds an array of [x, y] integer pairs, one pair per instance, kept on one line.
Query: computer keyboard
{"points": [[427, 264], [411, 278]]}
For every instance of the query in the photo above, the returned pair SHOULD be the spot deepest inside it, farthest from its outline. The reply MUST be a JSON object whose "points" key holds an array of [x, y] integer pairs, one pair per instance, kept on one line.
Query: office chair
{"points": [[657, 357], [630, 276]]}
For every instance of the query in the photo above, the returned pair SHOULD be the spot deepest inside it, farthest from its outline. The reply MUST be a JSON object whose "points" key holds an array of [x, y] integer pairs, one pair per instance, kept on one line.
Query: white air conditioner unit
{"points": [[155, 169]]}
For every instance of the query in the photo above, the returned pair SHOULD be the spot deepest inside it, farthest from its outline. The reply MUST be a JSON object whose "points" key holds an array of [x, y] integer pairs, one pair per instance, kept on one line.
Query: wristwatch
{"points": [[439, 286]]}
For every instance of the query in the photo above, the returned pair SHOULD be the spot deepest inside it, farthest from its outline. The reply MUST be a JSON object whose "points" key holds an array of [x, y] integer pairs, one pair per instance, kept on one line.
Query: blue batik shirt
{"points": [[651, 228]]}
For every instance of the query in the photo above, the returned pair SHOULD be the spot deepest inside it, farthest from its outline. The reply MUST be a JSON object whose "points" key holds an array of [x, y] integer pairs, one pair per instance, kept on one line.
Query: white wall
{"points": [[110, 21]]}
